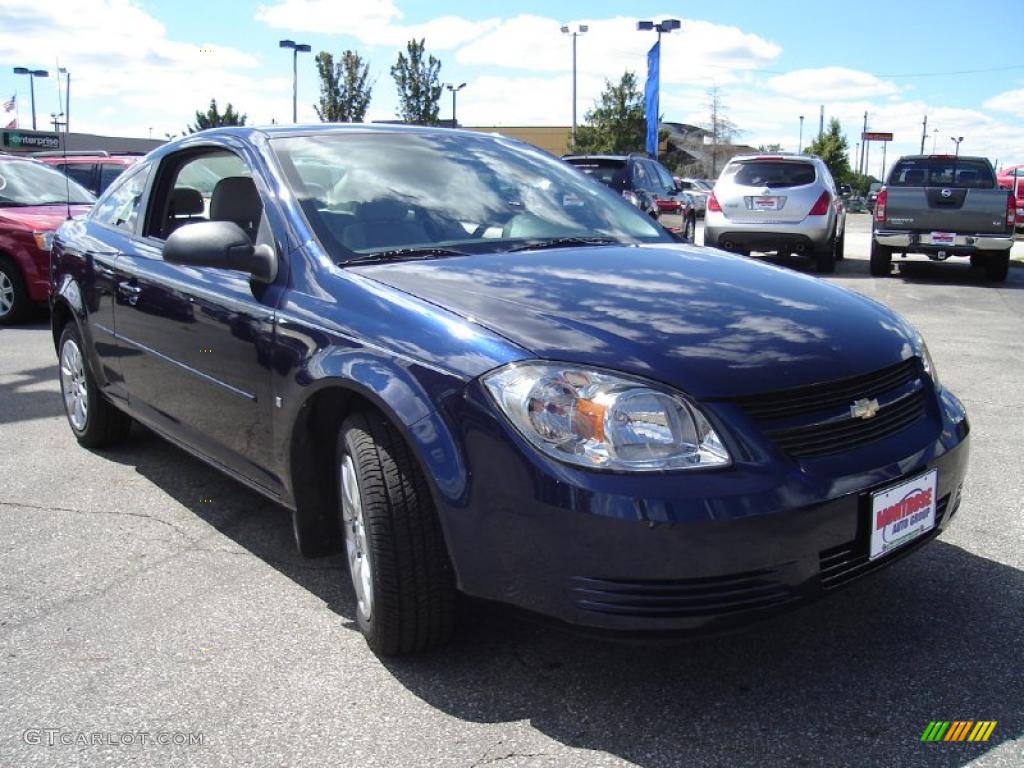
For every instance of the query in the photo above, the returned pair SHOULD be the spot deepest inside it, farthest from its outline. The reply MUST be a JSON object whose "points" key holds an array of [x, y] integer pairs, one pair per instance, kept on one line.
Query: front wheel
{"points": [[881, 260], [402, 577], [93, 420], [14, 300]]}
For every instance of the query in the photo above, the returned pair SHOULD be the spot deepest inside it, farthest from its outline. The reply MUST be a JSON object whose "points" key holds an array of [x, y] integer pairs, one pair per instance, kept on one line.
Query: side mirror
{"points": [[220, 244]]}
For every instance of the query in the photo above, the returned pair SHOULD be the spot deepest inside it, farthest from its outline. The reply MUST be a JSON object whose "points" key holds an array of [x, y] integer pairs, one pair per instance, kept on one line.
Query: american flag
{"points": [[9, 104]]}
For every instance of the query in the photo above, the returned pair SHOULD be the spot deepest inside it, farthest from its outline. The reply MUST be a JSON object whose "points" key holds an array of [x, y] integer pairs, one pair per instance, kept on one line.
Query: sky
{"points": [[143, 67]]}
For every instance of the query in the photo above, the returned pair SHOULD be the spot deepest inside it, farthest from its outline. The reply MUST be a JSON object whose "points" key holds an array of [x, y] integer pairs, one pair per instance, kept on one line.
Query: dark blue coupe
{"points": [[475, 369]]}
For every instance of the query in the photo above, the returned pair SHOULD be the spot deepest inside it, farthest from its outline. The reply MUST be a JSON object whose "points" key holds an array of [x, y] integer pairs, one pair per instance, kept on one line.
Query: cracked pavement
{"points": [[141, 591]]}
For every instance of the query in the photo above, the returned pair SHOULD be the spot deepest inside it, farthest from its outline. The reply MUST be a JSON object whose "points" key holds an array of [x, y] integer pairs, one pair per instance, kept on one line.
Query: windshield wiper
{"points": [[563, 242], [406, 253]]}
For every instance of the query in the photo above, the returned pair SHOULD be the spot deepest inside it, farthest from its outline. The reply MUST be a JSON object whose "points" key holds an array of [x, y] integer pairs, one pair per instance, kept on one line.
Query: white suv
{"points": [[781, 203]]}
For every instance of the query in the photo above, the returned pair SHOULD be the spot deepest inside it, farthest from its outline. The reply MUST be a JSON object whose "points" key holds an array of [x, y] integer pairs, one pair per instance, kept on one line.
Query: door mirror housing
{"points": [[220, 244]]}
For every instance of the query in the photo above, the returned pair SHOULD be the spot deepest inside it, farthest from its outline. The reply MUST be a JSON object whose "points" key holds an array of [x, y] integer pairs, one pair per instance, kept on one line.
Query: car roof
{"points": [[108, 159]]}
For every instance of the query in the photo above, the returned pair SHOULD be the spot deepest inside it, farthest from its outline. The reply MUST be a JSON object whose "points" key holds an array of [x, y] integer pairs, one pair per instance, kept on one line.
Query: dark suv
{"points": [[644, 182], [93, 170]]}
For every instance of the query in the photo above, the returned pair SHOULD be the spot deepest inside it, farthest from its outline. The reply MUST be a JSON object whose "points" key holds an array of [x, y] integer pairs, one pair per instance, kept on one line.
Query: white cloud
{"points": [[373, 22], [120, 57], [1008, 101], [832, 83]]}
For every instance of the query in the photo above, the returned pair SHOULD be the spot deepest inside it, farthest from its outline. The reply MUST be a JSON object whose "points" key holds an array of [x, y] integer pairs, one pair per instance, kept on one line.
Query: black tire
{"points": [[881, 260], [825, 257], [103, 425], [15, 304], [997, 266], [413, 597], [977, 261], [841, 247]]}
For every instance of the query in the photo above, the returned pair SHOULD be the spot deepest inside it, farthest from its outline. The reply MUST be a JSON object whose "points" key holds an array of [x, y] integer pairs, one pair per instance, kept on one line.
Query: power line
{"points": [[891, 75]]}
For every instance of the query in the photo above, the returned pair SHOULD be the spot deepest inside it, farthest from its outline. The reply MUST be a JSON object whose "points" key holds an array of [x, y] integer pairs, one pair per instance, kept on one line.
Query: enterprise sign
{"points": [[35, 140]]}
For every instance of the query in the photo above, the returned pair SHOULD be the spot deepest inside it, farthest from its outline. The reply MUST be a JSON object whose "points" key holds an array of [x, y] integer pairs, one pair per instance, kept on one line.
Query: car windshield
{"points": [[24, 183], [381, 192], [942, 172], [769, 173]]}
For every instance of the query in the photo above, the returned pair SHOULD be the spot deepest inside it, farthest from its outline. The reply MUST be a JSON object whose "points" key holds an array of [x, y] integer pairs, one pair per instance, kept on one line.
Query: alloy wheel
{"points": [[73, 385], [6, 294], [353, 522]]}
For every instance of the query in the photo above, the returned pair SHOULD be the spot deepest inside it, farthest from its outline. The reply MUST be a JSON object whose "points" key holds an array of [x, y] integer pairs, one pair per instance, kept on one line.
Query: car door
{"points": [[202, 335], [110, 227]]}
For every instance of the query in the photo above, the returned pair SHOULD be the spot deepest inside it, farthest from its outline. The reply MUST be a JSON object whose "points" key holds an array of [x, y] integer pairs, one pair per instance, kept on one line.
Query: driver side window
{"points": [[119, 207]]}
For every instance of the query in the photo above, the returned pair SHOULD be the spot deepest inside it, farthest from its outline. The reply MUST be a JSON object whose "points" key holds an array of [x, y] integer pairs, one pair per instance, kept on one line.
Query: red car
{"points": [[34, 200], [1013, 178], [93, 170]]}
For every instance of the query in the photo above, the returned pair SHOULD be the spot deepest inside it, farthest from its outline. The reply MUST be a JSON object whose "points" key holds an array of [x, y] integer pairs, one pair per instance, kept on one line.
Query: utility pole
{"points": [[924, 132], [821, 122], [861, 165]]}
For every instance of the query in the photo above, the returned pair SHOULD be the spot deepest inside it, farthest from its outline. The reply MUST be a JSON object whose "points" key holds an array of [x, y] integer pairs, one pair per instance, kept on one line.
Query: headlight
{"points": [[44, 240], [926, 360], [605, 421]]}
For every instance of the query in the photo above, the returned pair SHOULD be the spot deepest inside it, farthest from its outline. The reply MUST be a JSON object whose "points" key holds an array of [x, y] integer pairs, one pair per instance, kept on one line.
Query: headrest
{"points": [[186, 201], [235, 199]]}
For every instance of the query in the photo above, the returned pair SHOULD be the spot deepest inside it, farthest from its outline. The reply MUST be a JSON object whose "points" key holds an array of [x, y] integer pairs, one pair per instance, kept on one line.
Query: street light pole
{"points": [[665, 25], [800, 144], [454, 89], [67, 96], [581, 29], [956, 140], [32, 75], [297, 48]]}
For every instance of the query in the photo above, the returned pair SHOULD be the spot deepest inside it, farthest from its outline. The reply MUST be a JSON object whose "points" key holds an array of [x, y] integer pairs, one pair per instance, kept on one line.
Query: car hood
{"points": [[41, 218], [712, 324]]}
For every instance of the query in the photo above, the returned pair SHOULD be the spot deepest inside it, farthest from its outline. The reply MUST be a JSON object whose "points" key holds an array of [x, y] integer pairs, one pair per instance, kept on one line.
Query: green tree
{"points": [[344, 88], [212, 118], [417, 78], [616, 123], [831, 147], [773, 147]]}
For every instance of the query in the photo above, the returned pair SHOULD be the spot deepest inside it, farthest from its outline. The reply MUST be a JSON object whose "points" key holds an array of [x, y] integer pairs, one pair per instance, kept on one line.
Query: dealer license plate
{"points": [[943, 238], [766, 203], [902, 513]]}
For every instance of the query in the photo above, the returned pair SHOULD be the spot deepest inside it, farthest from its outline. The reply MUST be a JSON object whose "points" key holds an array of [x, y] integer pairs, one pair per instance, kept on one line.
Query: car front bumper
{"points": [[683, 552]]}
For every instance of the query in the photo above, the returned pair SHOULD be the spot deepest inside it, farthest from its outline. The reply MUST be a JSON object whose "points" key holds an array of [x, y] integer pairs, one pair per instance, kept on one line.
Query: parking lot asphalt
{"points": [[142, 592]]}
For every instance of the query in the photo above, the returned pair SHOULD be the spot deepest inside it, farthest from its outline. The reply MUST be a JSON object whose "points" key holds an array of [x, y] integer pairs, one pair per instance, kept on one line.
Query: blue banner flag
{"points": [[651, 97]]}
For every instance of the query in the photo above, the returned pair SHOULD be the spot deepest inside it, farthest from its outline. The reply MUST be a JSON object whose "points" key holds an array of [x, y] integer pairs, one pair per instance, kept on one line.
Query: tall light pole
{"points": [[297, 48], [581, 29], [67, 96], [935, 134], [956, 140], [454, 89], [32, 75], [652, 96], [800, 144]]}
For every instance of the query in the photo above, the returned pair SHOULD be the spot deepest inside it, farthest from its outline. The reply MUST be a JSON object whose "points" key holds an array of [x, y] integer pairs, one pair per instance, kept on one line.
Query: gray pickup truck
{"points": [[943, 206]]}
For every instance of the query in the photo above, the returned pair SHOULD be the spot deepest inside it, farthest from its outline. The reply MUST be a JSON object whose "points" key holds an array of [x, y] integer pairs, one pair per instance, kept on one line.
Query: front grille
{"points": [[813, 421], [839, 565], [680, 598], [816, 397], [836, 436]]}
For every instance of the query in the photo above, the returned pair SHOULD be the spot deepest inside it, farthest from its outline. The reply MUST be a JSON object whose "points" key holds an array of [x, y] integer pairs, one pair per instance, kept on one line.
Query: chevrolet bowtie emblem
{"points": [[863, 409]]}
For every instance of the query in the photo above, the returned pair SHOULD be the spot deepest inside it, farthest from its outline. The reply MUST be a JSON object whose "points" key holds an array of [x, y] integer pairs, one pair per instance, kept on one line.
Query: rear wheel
{"points": [[401, 574], [997, 266], [93, 420], [825, 257], [841, 247], [14, 300], [881, 260]]}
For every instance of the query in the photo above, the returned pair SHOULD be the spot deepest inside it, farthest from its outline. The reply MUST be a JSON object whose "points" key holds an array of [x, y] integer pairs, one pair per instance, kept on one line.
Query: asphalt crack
{"points": [[115, 513]]}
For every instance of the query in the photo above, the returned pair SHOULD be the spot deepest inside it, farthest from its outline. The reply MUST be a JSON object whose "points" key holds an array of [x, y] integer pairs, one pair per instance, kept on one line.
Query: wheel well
{"points": [[60, 315]]}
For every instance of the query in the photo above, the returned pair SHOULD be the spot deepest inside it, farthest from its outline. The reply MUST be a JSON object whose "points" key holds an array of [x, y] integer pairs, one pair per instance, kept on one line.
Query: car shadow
{"points": [[851, 680], [911, 270], [26, 399]]}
